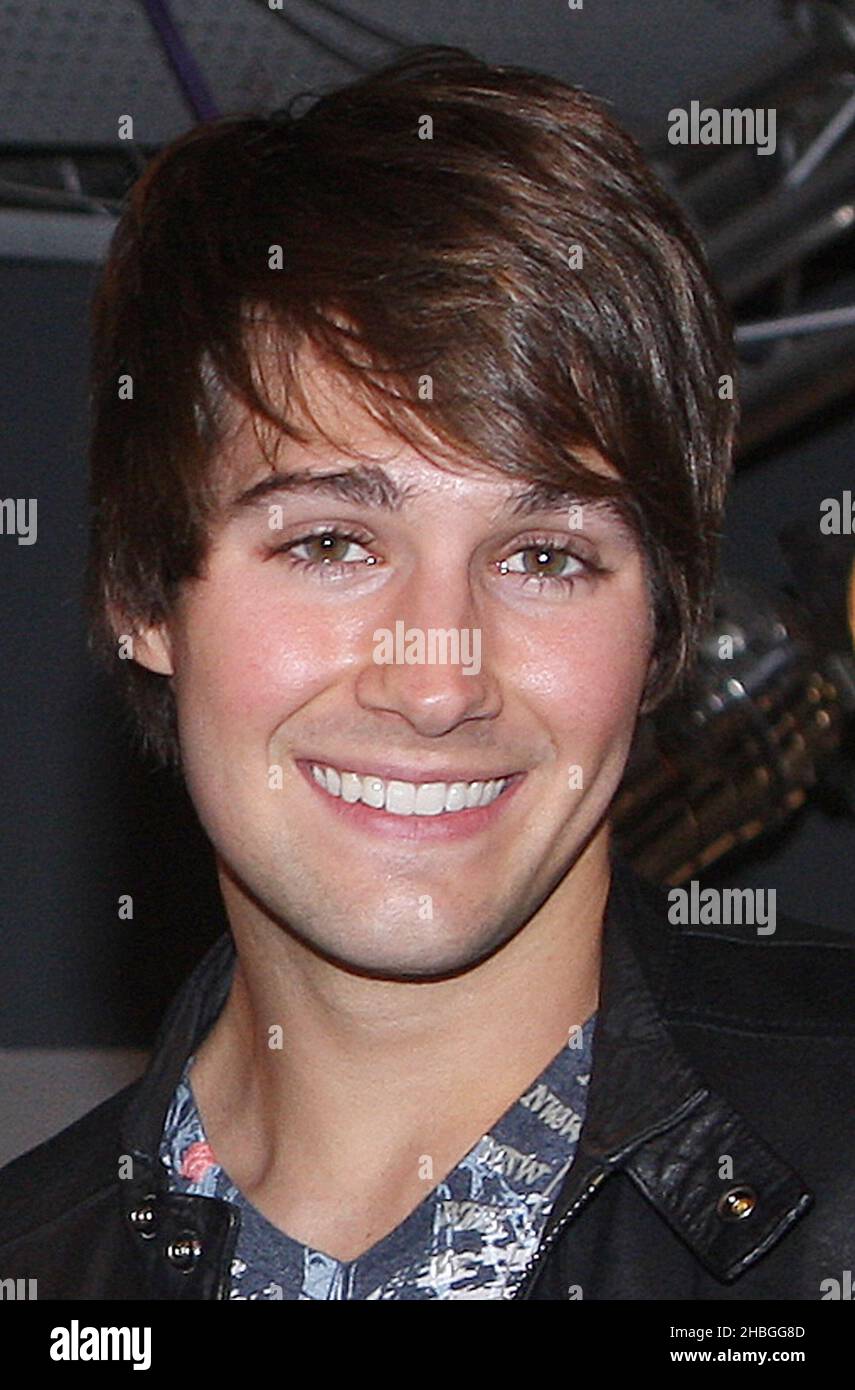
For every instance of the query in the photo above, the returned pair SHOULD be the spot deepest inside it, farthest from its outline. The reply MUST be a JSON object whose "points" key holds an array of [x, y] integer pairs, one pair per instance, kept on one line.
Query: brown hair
{"points": [[427, 216]]}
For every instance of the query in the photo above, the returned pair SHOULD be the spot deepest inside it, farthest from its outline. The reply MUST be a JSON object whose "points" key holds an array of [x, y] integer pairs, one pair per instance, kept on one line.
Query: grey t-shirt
{"points": [[472, 1235]]}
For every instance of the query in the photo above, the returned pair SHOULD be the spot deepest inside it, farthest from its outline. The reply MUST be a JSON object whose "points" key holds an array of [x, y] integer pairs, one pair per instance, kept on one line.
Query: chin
{"points": [[434, 959]]}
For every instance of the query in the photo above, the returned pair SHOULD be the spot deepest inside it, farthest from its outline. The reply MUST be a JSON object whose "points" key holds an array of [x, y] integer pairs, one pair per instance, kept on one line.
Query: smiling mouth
{"points": [[401, 798]]}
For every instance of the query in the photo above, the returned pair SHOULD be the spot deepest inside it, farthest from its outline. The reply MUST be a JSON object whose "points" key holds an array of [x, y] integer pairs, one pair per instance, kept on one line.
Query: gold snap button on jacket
{"points": [[736, 1203]]}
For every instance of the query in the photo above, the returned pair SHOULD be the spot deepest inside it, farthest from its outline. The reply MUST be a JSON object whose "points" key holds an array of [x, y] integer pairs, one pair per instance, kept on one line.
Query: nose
{"points": [[429, 663]]}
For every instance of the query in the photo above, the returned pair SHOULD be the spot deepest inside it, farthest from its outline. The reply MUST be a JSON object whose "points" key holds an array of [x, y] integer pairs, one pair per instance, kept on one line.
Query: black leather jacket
{"points": [[715, 1159]]}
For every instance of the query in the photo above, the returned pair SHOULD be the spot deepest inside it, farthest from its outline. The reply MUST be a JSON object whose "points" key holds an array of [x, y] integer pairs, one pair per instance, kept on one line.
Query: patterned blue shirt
{"points": [[473, 1234]]}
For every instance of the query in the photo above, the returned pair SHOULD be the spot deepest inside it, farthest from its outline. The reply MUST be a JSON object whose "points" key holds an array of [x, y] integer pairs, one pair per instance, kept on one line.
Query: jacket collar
{"points": [[651, 1114], [648, 1113]]}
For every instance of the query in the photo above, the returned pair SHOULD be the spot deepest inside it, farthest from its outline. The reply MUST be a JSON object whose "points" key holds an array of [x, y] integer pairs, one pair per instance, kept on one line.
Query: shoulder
{"points": [[65, 1172], [796, 980], [767, 1020], [726, 957]]}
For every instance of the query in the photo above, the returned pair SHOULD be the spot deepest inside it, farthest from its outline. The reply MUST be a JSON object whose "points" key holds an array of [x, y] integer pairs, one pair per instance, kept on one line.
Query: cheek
{"points": [[248, 665], [244, 666], [613, 665], [588, 675]]}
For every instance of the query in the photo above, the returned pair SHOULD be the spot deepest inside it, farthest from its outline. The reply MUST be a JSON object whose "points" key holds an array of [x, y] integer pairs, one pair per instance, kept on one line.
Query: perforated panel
{"points": [[69, 68]]}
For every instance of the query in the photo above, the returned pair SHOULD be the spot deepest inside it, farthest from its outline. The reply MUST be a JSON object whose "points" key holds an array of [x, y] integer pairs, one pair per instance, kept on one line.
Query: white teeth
{"points": [[401, 798], [351, 786], [373, 792], [430, 798], [407, 798], [473, 793]]}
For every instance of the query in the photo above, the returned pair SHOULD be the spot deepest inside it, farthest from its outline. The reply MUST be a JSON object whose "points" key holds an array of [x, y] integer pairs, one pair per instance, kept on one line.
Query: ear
{"points": [[653, 672], [650, 702], [150, 646]]}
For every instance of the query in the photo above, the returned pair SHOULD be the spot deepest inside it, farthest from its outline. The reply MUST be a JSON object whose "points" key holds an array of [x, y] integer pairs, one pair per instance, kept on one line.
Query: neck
{"points": [[311, 1069]]}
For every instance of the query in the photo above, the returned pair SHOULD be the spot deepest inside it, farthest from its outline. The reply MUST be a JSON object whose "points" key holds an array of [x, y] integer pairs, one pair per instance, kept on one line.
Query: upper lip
{"points": [[388, 771]]}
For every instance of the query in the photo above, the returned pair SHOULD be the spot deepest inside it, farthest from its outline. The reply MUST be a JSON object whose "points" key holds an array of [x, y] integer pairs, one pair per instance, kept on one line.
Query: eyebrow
{"points": [[372, 486]]}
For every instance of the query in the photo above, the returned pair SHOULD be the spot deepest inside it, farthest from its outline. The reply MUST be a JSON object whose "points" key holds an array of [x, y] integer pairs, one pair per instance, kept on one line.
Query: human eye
{"points": [[329, 551], [545, 564]]}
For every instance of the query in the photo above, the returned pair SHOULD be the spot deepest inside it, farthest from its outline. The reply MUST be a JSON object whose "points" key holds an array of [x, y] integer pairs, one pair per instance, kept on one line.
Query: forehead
{"points": [[336, 428]]}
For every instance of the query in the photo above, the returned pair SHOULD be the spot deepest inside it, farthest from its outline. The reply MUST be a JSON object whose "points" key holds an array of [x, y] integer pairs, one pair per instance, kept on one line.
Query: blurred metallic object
{"points": [[779, 230], [768, 707]]}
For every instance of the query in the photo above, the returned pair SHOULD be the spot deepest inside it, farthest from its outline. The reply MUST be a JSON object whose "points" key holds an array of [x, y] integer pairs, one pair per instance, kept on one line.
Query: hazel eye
{"points": [[332, 552], [544, 557], [331, 547]]}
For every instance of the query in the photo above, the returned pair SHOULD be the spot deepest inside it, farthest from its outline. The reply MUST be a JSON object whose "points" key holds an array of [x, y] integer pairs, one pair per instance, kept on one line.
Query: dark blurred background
{"points": [[83, 821]]}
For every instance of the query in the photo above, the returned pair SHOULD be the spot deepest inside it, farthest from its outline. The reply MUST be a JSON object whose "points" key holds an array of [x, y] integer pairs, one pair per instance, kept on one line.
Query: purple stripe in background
{"points": [[181, 60]]}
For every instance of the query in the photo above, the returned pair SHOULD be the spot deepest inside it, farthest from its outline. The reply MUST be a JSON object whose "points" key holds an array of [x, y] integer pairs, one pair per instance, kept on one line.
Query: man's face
{"points": [[280, 663]]}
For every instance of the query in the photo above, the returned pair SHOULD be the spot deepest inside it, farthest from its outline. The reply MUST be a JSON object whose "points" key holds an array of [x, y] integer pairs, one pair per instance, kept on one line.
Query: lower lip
{"points": [[448, 825]]}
